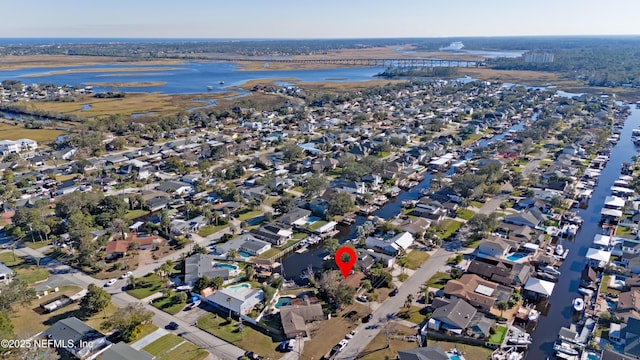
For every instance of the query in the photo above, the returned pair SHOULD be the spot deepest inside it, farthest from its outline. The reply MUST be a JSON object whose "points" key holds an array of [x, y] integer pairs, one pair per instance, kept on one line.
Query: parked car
{"points": [[172, 325], [367, 318], [283, 346], [110, 282], [362, 298], [126, 275], [253, 356], [351, 334], [394, 292], [341, 345]]}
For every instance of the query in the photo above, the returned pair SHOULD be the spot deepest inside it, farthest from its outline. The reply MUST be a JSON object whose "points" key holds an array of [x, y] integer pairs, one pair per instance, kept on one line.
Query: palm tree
{"points": [[424, 290], [402, 261], [408, 301], [229, 305], [131, 281], [232, 254], [502, 306], [250, 272], [163, 271]]}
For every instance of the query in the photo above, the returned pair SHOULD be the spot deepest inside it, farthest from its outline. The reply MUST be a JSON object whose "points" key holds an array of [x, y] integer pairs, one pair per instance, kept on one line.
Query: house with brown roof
{"points": [[500, 271], [480, 293], [629, 304], [294, 318], [118, 248]]}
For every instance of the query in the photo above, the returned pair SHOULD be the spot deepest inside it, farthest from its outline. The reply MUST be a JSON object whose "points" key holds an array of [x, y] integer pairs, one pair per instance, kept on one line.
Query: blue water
{"points": [[454, 357], [226, 266], [239, 287], [517, 256], [244, 254], [283, 301], [313, 219], [185, 78], [591, 356]]}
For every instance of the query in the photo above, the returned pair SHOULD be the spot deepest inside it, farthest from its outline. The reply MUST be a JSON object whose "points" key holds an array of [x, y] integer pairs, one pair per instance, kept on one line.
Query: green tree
{"points": [[233, 254], [502, 306], [408, 301], [402, 262], [16, 293], [132, 282], [291, 151], [250, 272], [96, 300], [340, 203], [284, 204], [315, 185], [129, 320], [331, 245]]}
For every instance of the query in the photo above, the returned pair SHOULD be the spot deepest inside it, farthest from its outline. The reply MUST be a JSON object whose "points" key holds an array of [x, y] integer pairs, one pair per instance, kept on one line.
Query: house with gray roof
{"points": [[86, 340], [6, 274], [199, 265], [124, 351], [296, 216], [454, 317], [423, 353], [526, 218]]}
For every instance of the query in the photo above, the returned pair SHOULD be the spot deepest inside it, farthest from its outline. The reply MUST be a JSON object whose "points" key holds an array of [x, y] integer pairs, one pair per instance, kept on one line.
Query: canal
{"points": [[560, 311]]}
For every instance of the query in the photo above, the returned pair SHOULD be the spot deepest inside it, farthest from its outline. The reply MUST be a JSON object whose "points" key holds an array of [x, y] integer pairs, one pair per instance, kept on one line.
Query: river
{"points": [[560, 311]]}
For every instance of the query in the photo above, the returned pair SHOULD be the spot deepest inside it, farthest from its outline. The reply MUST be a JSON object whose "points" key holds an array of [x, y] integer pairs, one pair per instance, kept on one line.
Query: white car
{"points": [[126, 275], [110, 282], [342, 344]]}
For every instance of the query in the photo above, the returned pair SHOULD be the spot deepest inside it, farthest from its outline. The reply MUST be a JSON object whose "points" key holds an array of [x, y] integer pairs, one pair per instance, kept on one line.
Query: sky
{"points": [[316, 19]]}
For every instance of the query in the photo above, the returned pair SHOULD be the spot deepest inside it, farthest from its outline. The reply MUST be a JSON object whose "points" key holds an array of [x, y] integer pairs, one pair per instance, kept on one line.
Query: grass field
{"points": [[416, 258], [132, 103], [465, 213], [103, 70], [15, 132], [186, 351], [469, 351], [210, 229], [168, 305], [438, 280], [497, 338], [130, 84], [415, 315], [46, 61], [133, 214], [449, 226], [377, 348], [249, 339], [269, 253], [31, 274], [163, 345], [8, 259], [145, 286]]}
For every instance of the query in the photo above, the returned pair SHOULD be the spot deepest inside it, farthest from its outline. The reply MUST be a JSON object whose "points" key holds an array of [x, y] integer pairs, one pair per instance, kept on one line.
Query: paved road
{"points": [[390, 307]]}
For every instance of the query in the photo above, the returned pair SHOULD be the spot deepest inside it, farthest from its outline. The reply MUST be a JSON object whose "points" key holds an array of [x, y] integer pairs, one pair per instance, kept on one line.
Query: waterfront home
{"points": [[255, 245], [630, 337], [175, 187], [275, 233], [6, 274], [455, 317], [200, 265], [87, 341], [631, 262], [588, 278], [433, 211], [482, 294], [296, 217], [240, 300], [530, 218], [500, 271], [423, 353], [611, 355], [390, 244], [412, 224], [18, 146], [294, 318]]}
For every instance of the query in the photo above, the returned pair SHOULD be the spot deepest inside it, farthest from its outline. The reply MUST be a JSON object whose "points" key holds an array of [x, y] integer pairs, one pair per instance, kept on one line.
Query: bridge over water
{"points": [[369, 62]]}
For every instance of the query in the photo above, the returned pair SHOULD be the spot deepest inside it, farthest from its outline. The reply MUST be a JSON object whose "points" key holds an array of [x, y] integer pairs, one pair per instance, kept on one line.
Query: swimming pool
{"points": [[454, 357], [283, 301], [244, 254], [313, 219], [516, 256], [239, 287], [592, 356], [226, 266]]}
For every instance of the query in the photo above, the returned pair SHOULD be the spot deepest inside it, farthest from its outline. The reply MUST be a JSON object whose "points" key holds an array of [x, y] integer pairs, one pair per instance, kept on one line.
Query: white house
{"points": [[240, 300], [254, 247], [597, 258], [494, 247], [17, 146], [391, 245], [6, 274]]}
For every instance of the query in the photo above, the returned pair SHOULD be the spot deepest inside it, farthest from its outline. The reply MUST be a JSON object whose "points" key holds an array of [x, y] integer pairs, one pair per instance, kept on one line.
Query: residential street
{"points": [[390, 307]]}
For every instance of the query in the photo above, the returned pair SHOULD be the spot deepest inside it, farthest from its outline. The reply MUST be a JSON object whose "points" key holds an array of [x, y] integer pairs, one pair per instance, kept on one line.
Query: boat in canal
{"points": [[565, 348], [578, 304]]}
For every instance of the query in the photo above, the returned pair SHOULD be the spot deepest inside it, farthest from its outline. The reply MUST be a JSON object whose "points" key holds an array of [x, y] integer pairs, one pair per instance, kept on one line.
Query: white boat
{"points": [[533, 315], [522, 339], [550, 270], [585, 291], [565, 348], [559, 249], [578, 304], [515, 356], [209, 87]]}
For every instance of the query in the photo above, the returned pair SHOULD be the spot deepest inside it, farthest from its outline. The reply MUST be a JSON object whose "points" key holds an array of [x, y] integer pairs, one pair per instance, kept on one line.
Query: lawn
{"points": [[42, 136], [331, 331], [134, 214], [7, 258], [249, 339], [269, 253], [465, 214], [415, 259], [475, 203], [211, 229], [37, 244], [377, 348], [316, 225], [249, 215], [146, 330], [162, 345], [30, 320], [186, 351], [169, 305], [145, 286], [415, 315], [439, 280], [498, 337], [447, 228], [31, 274], [623, 230]]}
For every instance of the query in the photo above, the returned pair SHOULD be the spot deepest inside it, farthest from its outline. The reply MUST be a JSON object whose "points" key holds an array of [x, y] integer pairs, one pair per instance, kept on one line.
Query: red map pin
{"points": [[345, 266]]}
